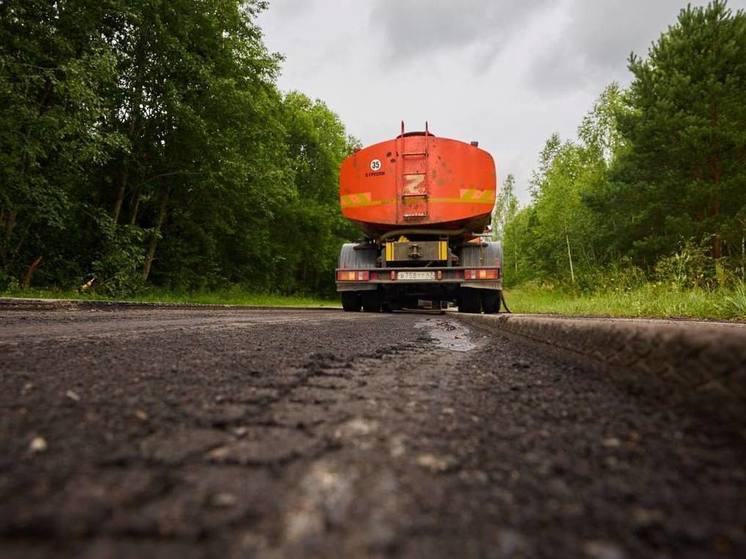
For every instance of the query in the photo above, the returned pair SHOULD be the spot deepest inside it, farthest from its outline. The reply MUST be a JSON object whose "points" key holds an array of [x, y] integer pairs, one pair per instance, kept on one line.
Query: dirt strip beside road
{"points": [[27, 304], [697, 360]]}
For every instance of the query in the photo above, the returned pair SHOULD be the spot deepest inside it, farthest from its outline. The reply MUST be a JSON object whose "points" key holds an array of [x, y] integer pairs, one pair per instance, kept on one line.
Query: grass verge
{"points": [[650, 301], [233, 296]]}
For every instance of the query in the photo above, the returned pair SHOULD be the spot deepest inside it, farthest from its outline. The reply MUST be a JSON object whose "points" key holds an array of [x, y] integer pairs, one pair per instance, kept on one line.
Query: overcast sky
{"points": [[507, 73]]}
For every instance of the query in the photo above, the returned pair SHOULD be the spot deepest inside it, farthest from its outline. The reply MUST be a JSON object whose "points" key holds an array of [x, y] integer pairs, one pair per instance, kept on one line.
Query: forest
{"points": [[145, 142], [653, 189]]}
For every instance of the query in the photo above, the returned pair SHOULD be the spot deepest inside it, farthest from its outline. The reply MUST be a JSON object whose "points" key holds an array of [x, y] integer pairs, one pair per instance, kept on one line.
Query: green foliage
{"points": [[653, 188], [682, 174], [233, 295], [617, 276], [558, 235], [647, 301], [116, 268], [506, 208], [734, 303], [312, 220], [146, 142], [688, 267]]}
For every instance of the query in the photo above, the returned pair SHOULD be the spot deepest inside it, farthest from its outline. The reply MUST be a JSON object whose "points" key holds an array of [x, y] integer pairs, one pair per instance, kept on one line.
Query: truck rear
{"points": [[423, 204]]}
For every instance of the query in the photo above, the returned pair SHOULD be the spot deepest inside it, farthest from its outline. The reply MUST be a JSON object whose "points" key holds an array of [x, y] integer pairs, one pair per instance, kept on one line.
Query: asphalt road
{"points": [[245, 433]]}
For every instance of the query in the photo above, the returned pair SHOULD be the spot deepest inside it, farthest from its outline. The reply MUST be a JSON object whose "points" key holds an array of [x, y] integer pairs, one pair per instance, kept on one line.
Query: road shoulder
{"points": [[703, 361]]}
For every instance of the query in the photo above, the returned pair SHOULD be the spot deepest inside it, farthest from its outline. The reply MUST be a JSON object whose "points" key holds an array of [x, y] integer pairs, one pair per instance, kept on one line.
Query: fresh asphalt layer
{"points": [[223, 432]]}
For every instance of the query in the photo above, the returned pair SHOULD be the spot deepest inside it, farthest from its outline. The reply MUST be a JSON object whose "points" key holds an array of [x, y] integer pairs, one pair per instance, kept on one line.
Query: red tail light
{"points": [[353, 275], [481, 274]]}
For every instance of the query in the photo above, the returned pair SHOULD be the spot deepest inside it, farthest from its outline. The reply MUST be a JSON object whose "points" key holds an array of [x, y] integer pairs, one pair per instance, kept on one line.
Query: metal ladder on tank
{"points": [[413, 179]]}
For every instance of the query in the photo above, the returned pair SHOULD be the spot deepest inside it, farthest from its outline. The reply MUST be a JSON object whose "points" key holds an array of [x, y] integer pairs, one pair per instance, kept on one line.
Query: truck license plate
{"points": [[416, 275]]}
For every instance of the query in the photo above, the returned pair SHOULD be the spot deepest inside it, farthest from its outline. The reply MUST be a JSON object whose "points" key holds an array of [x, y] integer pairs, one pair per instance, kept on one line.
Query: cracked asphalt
{"points": [[279, 433]]}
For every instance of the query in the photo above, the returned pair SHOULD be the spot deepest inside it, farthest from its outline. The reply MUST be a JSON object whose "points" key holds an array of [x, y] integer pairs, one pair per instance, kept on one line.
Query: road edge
{"points": [[35, 304], [699, 361]]}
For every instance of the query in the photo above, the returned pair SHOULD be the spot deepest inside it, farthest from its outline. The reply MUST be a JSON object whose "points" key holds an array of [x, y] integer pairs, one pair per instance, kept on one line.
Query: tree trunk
{"points": [[9, 222], [121, 188], [569, 258], [716, 170], [134, 123], [743, 257], [26, 283], [716, 240], [135, 207], [150, 256]]}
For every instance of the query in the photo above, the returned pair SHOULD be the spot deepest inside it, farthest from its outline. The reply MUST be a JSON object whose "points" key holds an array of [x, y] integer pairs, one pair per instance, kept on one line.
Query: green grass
{"points": [[233, 296], [652, 300]]}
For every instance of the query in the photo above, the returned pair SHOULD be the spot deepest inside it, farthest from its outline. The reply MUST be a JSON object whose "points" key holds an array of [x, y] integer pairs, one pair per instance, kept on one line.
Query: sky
{"points": [[507, 73]]}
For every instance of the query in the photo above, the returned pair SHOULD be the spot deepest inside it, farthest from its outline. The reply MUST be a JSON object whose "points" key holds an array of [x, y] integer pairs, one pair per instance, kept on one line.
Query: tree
{"points": [[560, 233], [53, 70], [146, 141], [313, 228], [682, 173], [506, 207]]}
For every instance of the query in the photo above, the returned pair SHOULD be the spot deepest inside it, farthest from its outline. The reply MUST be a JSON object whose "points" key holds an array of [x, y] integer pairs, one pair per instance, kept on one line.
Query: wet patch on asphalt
{"points": [[448, 334]]}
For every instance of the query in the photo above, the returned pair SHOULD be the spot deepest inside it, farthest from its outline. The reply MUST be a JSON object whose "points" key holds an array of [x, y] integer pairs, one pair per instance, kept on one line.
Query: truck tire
{"points": [[371, 302], [350, 301], [469, 300], [491, 301]]}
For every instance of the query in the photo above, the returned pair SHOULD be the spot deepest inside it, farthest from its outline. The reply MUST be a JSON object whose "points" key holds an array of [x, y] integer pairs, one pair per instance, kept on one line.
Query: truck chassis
{"points": [[392, 275]]}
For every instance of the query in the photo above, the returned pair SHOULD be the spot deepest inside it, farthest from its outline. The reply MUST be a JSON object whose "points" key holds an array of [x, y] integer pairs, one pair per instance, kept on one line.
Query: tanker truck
{"points": [[423, 204]]}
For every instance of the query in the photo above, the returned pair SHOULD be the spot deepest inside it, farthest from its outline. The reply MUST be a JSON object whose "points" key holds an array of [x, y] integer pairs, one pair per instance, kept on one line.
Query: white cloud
{"points": [[420, 29], [505, 72]]}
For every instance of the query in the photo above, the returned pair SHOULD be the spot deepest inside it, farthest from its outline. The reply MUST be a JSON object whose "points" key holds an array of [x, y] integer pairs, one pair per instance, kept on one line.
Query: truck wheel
{"points": [[350, 301], [371, 302], [469, 300], [491, 301]]}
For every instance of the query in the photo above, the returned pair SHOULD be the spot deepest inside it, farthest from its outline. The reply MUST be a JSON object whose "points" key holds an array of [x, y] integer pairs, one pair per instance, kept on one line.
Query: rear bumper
{"points": [[452, 277]]}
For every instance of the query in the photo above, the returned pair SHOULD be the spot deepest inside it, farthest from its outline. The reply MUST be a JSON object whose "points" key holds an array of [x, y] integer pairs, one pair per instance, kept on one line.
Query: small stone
{"points": [[474, 476], [435, 464], [647, 517], [611, 442], [240, 431], [224, 500], [38, 444], [141, 415], [357, 427], [72, 395], [220, 453]]}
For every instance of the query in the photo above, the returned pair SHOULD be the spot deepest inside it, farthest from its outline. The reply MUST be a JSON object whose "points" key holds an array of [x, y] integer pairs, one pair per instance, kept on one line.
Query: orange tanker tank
{"points": [[418, 181]]}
